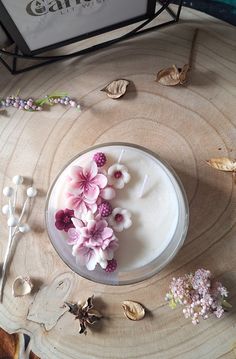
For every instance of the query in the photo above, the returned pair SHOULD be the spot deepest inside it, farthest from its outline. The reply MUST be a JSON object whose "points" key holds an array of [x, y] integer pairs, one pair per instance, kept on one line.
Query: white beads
{"points": [[5, 209], [12, 221], [8, 191], [24, 228], [31, 192], [17, 179]]}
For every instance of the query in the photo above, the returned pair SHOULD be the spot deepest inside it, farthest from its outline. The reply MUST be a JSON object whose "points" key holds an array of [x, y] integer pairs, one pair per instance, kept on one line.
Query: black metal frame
{"points": [[17, 55]]}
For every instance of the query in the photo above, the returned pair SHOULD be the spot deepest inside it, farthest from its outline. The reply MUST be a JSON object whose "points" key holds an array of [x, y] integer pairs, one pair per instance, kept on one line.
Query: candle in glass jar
{"points": [[150, 196]]}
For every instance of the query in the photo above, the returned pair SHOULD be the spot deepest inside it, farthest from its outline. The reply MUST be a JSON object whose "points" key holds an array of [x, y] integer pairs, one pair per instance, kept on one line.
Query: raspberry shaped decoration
{"points": [[100, 159], [105, 209], [111, 266]]}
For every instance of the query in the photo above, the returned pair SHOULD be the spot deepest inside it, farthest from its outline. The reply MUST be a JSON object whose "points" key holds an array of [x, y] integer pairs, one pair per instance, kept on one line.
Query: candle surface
{"points": [[154, 214]]}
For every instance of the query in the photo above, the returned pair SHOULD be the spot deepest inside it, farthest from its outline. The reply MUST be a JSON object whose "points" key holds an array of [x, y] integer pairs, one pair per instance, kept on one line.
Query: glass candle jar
{"points": [[154, 197]]}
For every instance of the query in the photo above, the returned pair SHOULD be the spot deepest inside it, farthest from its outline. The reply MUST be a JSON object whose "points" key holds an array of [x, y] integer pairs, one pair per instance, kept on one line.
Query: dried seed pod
{"points": [[133, 310], [85, 312], [222, 164], [116, 88], [173, 76], [21, 286]]}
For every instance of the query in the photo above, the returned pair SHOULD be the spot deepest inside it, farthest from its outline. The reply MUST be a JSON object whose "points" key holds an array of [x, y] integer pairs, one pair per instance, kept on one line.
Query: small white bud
{"points": [[8, 191], [24, 228], [18, 179], [5, 209], [12, 221], [31, 192]]}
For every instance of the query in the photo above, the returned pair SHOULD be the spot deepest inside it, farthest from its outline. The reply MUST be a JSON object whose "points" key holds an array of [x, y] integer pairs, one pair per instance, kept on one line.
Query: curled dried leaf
{"points": [[172, 76], [223, 164], [116, 88], [133, 310]]}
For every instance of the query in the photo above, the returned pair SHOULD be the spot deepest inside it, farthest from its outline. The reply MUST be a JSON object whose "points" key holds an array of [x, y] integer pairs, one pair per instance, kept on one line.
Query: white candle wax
{"points": [[154, 215]]}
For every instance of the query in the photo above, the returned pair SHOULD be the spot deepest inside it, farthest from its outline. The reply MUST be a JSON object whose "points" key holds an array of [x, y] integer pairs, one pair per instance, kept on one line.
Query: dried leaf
{"points": [[116, 88], [133, 310], [173, 76], [226, 304], [223, 164]]}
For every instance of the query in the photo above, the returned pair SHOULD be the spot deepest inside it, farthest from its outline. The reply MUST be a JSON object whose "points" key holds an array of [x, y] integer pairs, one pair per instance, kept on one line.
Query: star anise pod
{"points": [[85, 312]]}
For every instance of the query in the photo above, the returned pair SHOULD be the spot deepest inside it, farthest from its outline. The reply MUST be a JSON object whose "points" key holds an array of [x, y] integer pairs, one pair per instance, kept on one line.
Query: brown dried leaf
{"points": [[116, 88], [172, 76], [133, 310], [223, 164]]}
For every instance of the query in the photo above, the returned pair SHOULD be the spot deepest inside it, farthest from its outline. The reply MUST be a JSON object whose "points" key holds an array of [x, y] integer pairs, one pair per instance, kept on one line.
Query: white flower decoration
{"points": [[120, 219], [118, 175]]}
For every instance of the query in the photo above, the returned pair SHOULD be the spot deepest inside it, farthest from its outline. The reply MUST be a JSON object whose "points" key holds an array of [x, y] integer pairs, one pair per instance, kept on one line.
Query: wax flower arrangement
{"points": [[89, 220], [199, 294]]}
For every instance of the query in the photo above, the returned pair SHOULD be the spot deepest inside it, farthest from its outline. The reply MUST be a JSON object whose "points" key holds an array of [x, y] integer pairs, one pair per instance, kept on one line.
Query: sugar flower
{"points": [[79, 203], [200, 295], [87, 181], [118, 175], [74, 236], [96, 244], [64, 219], [120, 219]]}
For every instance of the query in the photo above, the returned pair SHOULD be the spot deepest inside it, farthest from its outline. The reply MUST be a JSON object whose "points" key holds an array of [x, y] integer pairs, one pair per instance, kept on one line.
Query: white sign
{"points": [[43, 23]]}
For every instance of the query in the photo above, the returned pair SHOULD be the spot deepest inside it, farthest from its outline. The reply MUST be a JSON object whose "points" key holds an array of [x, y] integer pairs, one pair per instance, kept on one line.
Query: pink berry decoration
{"points": [[200, 295], [100, 159], [111, 266], [105, 209]]}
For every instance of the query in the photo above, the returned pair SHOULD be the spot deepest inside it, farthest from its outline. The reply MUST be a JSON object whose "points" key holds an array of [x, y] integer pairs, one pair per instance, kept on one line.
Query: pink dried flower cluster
{"points": [[89, 218], [199, 294]]}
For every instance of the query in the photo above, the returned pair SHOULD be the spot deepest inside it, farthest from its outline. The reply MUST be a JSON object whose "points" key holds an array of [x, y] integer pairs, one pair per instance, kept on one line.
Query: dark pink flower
{"points": [[64, 219], [87, 181]]}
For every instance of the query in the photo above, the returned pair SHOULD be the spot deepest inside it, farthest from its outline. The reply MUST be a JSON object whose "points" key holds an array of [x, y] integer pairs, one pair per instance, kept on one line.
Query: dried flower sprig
{"points": [[199, 294], [85, 312], [14, 223], [30, 104]]}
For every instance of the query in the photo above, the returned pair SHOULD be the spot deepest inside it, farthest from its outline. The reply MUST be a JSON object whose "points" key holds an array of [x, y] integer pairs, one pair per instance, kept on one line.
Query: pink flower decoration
{"points": [[97, 244], [64, 219], [74, 236], [97, 234], [79, 203], [87, 181]]}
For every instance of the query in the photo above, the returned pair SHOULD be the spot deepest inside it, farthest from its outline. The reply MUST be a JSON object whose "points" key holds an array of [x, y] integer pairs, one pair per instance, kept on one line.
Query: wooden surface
{"points": [[185, 125]]}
